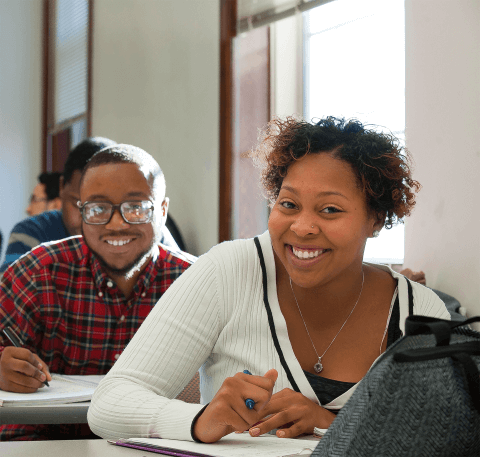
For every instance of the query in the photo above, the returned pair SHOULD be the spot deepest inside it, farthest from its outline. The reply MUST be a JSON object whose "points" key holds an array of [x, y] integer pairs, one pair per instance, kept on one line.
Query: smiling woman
{"points": [[295, 306]]}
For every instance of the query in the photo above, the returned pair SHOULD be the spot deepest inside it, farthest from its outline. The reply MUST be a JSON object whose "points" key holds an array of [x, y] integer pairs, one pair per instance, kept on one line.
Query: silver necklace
{"points": [[318, 367]]}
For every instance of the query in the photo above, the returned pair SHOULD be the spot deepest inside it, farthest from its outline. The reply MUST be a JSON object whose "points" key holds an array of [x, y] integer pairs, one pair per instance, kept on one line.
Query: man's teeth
{"points": [[307, 254], [118, 242]]}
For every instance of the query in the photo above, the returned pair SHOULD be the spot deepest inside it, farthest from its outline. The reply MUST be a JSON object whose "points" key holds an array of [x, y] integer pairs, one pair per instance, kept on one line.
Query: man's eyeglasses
{"points": [[100, 213], [35, 199]]}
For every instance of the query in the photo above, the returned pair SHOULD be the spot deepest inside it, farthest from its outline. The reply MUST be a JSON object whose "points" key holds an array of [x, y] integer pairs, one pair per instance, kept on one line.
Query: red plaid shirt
{"points": [[65, 309]]}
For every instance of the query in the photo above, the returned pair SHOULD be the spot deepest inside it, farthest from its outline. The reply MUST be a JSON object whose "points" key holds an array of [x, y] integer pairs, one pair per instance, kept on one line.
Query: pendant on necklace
{"points": [[318, 367]]}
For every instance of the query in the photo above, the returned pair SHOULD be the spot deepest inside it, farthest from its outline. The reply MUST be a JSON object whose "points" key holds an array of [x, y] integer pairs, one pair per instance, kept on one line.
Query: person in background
{"points": [[453, 305], [296, 306], [58, 224], [85, 296], [46, 194], [417, 276]]}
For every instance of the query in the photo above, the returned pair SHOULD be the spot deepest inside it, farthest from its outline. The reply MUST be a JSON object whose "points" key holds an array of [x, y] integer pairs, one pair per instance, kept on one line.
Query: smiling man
{"points": [[55, 225], [84, 297]]}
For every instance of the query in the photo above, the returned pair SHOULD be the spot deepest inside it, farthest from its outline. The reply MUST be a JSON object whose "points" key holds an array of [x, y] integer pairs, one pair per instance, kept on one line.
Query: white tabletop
{"points": [[78, 448], [71, 448]]}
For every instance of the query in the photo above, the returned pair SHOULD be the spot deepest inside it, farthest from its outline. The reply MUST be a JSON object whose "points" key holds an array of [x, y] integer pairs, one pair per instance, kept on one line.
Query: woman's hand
{"points": [[22, 371], [293, 414], [227, 411]]}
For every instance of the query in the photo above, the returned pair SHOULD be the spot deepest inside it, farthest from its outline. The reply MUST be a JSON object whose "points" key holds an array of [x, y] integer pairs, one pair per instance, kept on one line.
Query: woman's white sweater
{"points": [[214, 319]]}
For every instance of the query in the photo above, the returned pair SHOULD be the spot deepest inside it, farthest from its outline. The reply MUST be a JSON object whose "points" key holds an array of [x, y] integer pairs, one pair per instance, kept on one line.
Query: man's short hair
{"points": [[125, 153], [51, 181], [82, 153]]}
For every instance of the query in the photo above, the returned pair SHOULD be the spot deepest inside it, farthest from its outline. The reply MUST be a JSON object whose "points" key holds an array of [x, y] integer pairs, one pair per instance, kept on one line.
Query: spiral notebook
{"points": [[63, 389], [233, 445]]}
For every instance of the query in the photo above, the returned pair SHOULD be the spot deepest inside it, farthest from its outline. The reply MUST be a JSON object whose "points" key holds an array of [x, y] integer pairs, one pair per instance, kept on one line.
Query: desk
{"points": [[68, 413], [55, 413], [72, 448]]}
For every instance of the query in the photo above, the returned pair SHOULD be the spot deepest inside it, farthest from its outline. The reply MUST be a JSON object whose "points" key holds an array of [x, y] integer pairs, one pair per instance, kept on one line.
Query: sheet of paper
{"points": [[241, 445], [63, 389]]}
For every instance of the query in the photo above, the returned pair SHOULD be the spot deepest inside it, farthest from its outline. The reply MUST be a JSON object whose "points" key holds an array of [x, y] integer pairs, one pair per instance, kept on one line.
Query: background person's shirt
{"points": [[65, 309], [31, 232], [46, 227]]}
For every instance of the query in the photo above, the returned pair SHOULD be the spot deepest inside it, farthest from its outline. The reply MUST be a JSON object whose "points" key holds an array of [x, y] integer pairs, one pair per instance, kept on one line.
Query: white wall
{"points": [[156, 86], [20, 107], [443, 133]]}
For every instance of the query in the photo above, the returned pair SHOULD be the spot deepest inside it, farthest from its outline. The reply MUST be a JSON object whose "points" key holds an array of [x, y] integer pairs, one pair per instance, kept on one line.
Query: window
{"points": [[67, 66], [354, 67]]}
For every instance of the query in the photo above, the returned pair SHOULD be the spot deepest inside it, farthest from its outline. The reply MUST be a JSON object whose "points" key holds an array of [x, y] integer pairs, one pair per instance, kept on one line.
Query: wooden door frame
{"points": [[228, 19]]}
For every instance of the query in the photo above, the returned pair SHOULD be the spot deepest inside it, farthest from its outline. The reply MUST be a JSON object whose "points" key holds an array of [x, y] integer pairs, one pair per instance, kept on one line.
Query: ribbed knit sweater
{"points": [[214, 319]]}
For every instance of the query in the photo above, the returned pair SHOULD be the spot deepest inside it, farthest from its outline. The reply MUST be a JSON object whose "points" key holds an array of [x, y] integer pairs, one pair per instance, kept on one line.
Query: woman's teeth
{"points": [[307, 254]]}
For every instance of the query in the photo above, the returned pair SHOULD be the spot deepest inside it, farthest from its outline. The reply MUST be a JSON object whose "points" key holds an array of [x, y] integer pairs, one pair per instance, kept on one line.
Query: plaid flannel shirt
{"points": [[67, 310]]}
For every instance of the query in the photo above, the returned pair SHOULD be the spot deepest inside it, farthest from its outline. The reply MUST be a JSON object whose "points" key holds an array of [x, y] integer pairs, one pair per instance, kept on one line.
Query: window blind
{"points": [[71, 59], [257, 13]]}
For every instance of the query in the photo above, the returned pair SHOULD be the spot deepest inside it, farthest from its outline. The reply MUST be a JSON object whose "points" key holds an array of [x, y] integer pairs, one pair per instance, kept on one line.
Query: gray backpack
{"points": [[421, 397]]}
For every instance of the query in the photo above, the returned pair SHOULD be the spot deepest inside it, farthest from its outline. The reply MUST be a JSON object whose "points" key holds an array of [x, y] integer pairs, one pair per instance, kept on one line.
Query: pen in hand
{"points": [[16, 341], [249, 403]]}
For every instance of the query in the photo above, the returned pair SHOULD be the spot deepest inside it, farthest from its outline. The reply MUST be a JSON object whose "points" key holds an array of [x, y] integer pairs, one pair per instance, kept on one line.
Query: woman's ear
{"points": [[378, 222]]}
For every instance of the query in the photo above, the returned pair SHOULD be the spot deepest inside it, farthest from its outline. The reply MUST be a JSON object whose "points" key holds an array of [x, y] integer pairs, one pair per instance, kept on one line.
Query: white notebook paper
{"points": [[239, 445], [63, 389]]}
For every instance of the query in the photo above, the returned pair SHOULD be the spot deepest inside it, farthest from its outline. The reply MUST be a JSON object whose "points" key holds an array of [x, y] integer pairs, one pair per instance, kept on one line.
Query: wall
{"points": [[442, 132], [20, 107], [156, 85]]}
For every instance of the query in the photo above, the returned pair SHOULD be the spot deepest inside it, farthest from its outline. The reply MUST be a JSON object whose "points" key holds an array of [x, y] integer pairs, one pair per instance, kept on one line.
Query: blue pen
{"points": [[249, 403]]}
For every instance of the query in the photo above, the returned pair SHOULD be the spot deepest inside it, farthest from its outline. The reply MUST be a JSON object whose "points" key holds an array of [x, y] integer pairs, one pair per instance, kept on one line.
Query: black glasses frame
{"points": [[115, 207]]}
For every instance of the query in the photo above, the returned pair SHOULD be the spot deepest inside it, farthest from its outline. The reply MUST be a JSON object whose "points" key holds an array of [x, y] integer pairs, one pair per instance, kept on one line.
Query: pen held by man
{"points": [[20, 369]]}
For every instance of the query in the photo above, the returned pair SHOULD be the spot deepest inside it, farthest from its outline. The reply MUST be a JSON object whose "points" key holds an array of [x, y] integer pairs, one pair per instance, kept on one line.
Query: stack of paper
{"points": [[63, 389]]}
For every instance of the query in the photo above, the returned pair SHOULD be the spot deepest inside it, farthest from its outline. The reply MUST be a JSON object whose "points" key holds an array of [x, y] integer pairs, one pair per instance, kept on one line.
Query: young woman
{"points": [[297, 307]]}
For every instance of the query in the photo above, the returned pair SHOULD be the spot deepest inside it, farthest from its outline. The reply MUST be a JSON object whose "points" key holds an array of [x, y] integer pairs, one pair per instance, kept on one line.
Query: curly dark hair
{"points": [[382, 166]]}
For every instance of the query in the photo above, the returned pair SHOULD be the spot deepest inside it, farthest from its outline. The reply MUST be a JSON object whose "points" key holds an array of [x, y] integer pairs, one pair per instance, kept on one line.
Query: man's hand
{"points": [[292, 414], [22, 371], [227, 411]]}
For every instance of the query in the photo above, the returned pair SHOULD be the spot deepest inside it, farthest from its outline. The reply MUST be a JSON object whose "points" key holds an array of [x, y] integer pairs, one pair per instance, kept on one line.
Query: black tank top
{"points": [[328, 389]]}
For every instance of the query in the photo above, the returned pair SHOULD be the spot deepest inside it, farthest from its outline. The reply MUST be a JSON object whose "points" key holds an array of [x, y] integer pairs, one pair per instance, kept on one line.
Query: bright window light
{"points": [[354, 67]]}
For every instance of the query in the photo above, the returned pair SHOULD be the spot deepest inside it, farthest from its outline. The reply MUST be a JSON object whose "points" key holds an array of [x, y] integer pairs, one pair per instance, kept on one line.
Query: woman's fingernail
{"points": [[43, 377], [39, 366], [280, 433], [255, 431]]}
